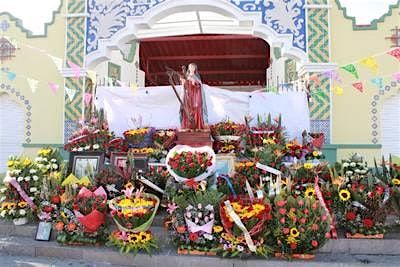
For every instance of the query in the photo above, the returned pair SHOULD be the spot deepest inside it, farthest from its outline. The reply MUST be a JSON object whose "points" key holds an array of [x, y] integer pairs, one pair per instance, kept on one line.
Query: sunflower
{"points": [[218, 228], [27, 162], [307, 166], [292, 240], [10, 163], [395, 181], [344, 194], [294, 232], [133, 239], [310, 192], [144, 237], [315, 153]]}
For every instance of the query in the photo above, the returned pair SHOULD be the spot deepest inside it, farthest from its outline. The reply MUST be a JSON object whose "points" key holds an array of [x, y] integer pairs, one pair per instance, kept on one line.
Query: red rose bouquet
{"points": [[185, 162]]}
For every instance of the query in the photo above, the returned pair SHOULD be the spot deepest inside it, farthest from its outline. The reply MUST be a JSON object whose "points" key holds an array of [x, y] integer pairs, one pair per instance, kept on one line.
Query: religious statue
{"points": [[193, 109]]}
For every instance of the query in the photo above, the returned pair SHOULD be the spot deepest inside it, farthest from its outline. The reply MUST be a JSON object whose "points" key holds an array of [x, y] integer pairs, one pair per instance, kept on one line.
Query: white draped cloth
{"points": [[158, 107]]}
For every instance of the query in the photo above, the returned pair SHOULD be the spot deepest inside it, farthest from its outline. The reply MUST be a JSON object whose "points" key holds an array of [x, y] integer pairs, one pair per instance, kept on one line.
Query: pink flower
{"points": [[314, 206], [294, 219], [171, 207], [324, 217], [300, 202], [328, 235], [281, 203], [292, 209], [314, 227], [303, 220], [282, 220], [302, 230], [314, 243], [286, 231], [306, 211], [282, 211]]}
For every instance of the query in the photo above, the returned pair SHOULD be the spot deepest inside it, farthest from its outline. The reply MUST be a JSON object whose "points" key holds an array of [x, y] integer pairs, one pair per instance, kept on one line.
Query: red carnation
{"points": [[314, 243], [368, 223], [350, 216], [293, 245], [193, 236]]}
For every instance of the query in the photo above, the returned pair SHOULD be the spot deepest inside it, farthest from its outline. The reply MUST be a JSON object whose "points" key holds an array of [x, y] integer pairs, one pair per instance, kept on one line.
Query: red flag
{"points": [[359, 86], [395, 53]]}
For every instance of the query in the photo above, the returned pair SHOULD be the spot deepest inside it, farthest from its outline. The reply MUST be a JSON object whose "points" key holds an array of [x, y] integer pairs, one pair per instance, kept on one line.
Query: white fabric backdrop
{"points": [[158, 107]]}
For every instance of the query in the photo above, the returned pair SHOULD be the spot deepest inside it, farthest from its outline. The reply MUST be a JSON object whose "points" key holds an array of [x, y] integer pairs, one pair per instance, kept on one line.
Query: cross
{"points": [[395, 38], [4, 25]]}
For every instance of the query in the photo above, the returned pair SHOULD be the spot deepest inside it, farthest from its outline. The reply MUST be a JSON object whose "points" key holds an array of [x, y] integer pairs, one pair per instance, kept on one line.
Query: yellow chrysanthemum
{"points": [[218, 228], [344, 194], [27, 162], [310, 192], [22, 204], [269, 141], [395, 181], [44, 152], [315, 153], [258, 208], [294, 232], [10, 163], [307, 166]]}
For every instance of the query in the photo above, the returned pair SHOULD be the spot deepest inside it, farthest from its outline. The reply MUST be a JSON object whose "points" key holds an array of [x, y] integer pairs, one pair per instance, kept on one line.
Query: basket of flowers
{"points": [[301, 225], [252, 213], [227, 136], [163, 139], [90, 208], [134, 211], [137, 138], [190, 163]]}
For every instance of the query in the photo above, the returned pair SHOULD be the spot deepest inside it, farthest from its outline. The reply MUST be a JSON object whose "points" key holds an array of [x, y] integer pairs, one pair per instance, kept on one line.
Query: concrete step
{"points": [[103, 256]]}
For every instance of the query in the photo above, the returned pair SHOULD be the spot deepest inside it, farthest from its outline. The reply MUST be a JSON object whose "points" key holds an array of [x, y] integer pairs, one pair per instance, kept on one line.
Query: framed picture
{"points": [[225, 164], [114, 72], [43, 231], [139, 161], [119, 159], [85, 163]]}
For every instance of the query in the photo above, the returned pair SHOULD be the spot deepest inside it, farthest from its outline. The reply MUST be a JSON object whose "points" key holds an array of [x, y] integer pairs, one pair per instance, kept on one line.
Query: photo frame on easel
{"points": [[119, 159], [225, 164], [43, 231], [83, 164]]}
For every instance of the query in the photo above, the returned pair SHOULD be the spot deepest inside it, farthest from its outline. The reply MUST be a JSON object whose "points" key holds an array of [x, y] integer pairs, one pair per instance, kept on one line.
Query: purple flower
{"points": [[171, 207]]}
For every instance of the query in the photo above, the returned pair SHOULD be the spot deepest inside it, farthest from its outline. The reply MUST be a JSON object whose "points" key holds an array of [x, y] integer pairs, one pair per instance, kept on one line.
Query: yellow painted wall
{"points": [[351, 112], [47, 107]]}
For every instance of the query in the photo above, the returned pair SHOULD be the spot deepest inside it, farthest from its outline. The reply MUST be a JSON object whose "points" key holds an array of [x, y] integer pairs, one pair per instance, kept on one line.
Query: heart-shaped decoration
{"points": [[186, 162]]}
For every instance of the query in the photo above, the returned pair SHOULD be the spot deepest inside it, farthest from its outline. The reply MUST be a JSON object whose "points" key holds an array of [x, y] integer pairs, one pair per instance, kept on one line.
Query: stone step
{"points": [[102, 256]]}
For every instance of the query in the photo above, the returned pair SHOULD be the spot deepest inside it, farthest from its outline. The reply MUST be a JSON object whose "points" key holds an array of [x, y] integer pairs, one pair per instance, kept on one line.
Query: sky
{"points": [[35, 13]]}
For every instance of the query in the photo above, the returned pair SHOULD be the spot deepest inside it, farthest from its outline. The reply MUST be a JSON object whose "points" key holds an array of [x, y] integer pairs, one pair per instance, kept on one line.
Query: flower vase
{"points": [[20, 221]]}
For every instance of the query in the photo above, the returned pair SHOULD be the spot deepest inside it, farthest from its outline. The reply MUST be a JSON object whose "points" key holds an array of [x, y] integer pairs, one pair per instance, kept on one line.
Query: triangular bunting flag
{"points": [[338, 90], [70, 93], [57, 61], [53, 87], [87, 98], [359, 86], [33, 84], [396, 76], [315, 79], [11, 75], [333, 74], [75, 68], [351, 69], [370, 62], [378, 81], [395, 53]]}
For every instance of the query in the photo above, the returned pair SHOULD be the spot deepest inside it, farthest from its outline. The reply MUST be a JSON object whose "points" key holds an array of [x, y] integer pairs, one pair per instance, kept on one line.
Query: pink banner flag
{"points": [[88, 98], [75, 68], [396, 76], [359, 86], [395, 53], [54, 87]]}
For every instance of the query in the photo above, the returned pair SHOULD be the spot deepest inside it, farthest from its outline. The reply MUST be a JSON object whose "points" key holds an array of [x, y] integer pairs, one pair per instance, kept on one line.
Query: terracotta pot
{"points": [[20, 221], [362, 236]]}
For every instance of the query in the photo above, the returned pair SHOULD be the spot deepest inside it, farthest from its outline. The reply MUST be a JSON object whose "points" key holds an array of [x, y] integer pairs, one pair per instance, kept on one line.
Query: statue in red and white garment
{"points": [[193, 101]]}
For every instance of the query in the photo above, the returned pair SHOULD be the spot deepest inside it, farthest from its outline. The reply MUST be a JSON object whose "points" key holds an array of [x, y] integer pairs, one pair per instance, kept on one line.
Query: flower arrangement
{"points": [[141, 137], [134, 211], [227, 128], [266, 129], [133, 242], [300, 225], [163, 139], [22, 188], [48, 160], [294, 149], [194, 219], [184, 162], [91, 135]]}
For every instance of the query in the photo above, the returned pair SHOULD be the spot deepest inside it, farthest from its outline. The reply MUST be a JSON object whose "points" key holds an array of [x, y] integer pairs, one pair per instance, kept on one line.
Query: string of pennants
{"points": [[368, 62]]}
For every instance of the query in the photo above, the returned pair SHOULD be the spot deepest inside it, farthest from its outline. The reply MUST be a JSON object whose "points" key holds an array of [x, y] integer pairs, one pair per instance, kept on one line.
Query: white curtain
{"points": [[158, 107]]}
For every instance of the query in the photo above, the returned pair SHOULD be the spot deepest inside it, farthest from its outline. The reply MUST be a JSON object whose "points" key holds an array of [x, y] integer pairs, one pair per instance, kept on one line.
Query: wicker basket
{"points": [[245, 199]]}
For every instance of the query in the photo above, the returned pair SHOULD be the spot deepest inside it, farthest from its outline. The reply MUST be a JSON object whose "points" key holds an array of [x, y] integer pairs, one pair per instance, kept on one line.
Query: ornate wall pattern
{"points": [[75, 52], [391, 87], [28, 108], [107, 18]]}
